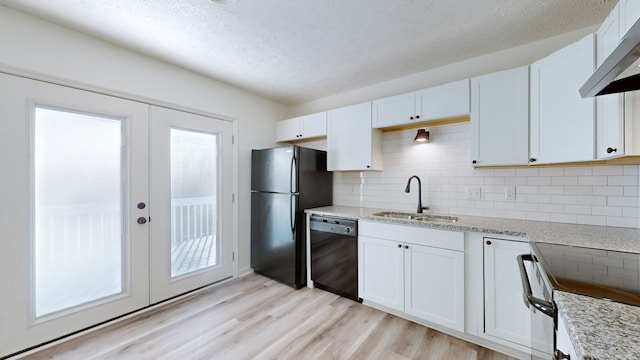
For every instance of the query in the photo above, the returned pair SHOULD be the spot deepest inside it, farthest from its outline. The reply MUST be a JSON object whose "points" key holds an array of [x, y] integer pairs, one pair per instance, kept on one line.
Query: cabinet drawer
{"points": [[453, 240]]}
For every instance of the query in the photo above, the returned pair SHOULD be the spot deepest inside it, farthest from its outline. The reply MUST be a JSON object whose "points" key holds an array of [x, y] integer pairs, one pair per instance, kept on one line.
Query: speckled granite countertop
{"points": [[599, 237], [599, 329]]}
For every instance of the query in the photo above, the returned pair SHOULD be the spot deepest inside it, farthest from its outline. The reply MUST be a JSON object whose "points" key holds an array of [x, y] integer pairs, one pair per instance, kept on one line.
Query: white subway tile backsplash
{"points": [[592, 180], [537, 216], [578, 190], [577, 209], [622, 180], [592, 200], [564, 218], [608, 170], [546, 199], [591, 220], [505, 172], [539, 180], [608, 190], [631, 170], [551, 190], [622, 222], [606, 210], [551, 208], [526, 172], [622, 201], [595, 195], [551, 171], [514, 180], [564, 199], [564, 180]]}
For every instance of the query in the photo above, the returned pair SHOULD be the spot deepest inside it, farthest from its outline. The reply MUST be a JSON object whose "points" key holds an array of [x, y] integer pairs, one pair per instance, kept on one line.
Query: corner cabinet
{"points": [[439, 102], [413, 270], [562, 122], [351, 142], [500, 118], [302, 128]]}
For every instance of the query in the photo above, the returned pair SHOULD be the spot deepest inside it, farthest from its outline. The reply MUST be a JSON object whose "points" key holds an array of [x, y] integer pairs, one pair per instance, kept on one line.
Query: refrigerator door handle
{"points": [[292, 212], [293, 184]]}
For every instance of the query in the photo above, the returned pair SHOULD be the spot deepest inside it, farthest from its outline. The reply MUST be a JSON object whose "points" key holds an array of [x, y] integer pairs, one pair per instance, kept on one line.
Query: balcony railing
{"points": [[78, 249]]}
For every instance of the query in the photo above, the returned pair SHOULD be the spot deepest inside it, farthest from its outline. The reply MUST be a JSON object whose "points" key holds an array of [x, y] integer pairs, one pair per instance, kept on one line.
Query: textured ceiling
{"points": [[293, 51]]}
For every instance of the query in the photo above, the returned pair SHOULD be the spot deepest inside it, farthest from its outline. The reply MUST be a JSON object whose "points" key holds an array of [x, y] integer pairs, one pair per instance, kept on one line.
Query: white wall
{"points": [[502, 60], [595, 195], [50, 52]]}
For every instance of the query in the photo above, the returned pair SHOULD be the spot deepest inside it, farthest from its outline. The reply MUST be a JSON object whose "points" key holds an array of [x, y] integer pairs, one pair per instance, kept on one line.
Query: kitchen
{"points": [[445, 177]]}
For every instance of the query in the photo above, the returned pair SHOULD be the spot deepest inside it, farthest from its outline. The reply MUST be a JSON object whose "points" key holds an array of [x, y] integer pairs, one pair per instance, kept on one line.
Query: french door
{"points": [[108, 205], [192, 202]]}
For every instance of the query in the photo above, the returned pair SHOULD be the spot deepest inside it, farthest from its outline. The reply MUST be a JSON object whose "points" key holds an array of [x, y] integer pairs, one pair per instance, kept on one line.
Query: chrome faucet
{"points": [[408, 188]]}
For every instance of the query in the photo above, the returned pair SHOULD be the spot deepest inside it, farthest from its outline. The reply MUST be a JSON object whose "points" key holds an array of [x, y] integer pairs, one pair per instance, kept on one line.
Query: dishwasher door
{"points": [[334, 255]]}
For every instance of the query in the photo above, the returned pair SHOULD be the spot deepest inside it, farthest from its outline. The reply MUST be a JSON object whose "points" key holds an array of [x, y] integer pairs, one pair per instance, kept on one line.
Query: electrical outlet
{"points": [[509, 192], [473, 193]]}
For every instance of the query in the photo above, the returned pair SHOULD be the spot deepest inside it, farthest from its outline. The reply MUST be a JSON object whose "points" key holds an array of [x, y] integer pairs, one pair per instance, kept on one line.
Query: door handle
{"points": [[292, 212], [293, 175], [546, 307]]}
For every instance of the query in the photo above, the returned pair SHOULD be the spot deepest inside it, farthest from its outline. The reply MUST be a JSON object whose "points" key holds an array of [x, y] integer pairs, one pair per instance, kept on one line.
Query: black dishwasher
{"points": [[334, 255]]}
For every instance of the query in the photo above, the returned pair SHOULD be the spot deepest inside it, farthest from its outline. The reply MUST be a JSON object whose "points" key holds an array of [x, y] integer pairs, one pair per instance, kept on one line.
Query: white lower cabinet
{"points": [[381, 271], [434, 285], [505, 315], [414, 270]]}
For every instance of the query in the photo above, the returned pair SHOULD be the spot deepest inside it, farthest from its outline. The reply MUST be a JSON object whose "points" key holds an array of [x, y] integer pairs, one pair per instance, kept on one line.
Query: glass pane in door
{"points": [[194, 184], [78, 228]]}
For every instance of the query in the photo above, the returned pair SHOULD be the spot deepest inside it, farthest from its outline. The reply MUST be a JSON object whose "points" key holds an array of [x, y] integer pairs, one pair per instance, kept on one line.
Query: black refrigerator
{"points": [[284, 182]]}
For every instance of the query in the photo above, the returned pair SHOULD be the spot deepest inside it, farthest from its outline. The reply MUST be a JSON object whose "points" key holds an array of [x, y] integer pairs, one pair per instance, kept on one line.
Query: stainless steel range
{"points": [[606, 274]]}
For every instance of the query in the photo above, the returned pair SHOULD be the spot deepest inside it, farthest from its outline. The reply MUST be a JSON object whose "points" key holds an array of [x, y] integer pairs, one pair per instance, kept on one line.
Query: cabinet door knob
{"points": [[532, 160], [610, 150], [417, 116], [410, 117], [488, 242], [474, 162], [368, 166], [406, 246], [399, 245], [142, 220], [141, 205]]}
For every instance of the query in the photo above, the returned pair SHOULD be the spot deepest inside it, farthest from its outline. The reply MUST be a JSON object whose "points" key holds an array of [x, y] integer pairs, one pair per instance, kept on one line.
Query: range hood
{"points": [[620, 71]]}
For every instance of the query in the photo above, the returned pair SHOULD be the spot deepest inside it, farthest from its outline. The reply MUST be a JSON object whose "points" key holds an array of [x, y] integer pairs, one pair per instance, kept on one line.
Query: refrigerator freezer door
{"points": [[274, 249], [274, 170]]}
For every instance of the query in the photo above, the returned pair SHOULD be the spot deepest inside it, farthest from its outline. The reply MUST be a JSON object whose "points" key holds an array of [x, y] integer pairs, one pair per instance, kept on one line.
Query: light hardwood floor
{"points": [[257, 318]]}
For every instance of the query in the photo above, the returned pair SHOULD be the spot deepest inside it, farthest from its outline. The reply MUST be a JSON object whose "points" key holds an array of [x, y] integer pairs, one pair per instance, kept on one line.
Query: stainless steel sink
{"points": [[415, 216]]}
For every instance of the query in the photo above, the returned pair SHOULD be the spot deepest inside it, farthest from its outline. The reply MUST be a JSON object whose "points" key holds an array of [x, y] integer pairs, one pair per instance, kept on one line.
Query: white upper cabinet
{"points": [[395, 110], [562, 122], [629, 14], [302, 127], [351, 142], [609, 108], [500, 118], [438, 102], [608, 36], [443, 101]]}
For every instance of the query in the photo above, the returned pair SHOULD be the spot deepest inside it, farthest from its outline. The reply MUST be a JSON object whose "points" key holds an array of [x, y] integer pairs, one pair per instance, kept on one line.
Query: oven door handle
{"points": [[546, 307]]}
